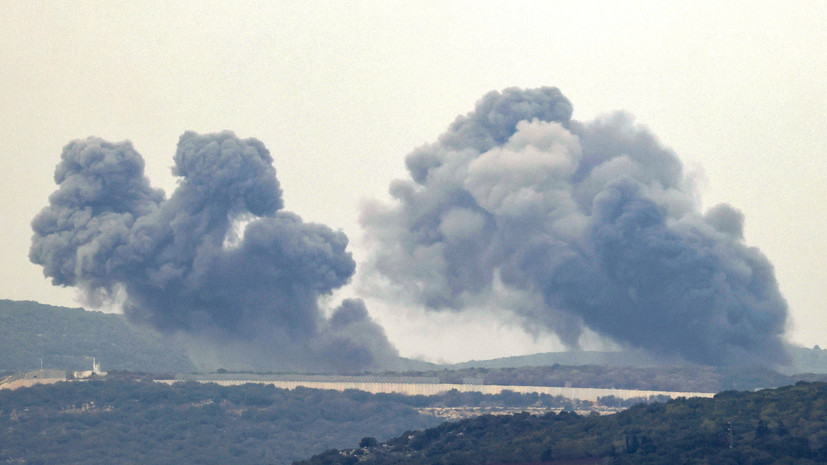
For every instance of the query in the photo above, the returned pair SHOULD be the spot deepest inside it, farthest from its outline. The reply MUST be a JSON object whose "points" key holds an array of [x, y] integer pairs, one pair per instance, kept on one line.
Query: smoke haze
{"points": [[569, 226], [572, 225], [218, 260]]}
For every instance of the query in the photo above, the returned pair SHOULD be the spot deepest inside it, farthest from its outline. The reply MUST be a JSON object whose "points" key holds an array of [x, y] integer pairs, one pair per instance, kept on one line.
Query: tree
{"points": [[762, 430], [368, 441]]}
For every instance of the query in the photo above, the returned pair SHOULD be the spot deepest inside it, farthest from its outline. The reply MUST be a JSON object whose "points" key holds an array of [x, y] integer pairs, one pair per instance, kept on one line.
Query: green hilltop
{"points": [[69, 338]]}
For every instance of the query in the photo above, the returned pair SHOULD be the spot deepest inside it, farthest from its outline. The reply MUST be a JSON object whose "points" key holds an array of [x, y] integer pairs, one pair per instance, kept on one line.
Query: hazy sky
{"points": [[340, 92]]}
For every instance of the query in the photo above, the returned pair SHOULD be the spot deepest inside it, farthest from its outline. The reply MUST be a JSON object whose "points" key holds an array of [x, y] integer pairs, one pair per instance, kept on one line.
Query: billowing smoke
{"points": [[573, 225], [219, 259]]}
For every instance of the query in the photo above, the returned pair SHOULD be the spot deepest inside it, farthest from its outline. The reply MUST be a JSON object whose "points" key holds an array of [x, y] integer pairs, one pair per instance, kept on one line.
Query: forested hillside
{"points": [[128, 420], [68, 338], [692, 378], [785, 425], [802, 360]]}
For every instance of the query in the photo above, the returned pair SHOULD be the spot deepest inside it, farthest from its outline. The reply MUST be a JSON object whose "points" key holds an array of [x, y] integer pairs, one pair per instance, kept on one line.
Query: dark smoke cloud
{"points": [[574, 225], [180, 264]]}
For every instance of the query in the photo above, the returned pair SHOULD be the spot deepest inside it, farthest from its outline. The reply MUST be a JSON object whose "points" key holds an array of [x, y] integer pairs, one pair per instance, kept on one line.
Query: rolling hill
{"points": [[774, 426], [68, 339]]}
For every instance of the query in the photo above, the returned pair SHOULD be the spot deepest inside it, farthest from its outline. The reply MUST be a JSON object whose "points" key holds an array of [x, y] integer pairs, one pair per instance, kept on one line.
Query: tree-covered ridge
{"points": [[691, 378], [130, 422], [802, 360], [774, 426], [130, 419], [68, 338]]}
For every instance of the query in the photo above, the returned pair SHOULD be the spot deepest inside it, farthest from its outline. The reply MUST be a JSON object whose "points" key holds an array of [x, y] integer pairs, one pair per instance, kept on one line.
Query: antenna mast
{"points": [[730, 435]]}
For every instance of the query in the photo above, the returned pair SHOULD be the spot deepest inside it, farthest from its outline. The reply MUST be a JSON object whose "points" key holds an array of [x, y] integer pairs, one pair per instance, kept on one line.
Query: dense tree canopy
{"points": [[785, 425], [689, 378], [68, 339], [189, 423], [130, 419]]}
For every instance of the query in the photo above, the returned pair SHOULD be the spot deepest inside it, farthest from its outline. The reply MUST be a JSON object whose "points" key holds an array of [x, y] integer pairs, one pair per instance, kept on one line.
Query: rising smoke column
{"points": [[181, 264], [574, 225]]}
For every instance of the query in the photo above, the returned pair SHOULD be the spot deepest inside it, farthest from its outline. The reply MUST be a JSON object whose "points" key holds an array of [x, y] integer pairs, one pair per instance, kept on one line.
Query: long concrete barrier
{"points": [[410, 388]]}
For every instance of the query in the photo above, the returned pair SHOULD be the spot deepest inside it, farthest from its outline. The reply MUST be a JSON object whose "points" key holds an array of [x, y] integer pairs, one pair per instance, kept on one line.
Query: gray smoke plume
{"points": [[180, 264], [575, 225]]}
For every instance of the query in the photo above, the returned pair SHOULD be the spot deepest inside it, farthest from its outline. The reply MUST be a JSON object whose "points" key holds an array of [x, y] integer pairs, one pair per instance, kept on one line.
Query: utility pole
{"points": [[730, 435]]}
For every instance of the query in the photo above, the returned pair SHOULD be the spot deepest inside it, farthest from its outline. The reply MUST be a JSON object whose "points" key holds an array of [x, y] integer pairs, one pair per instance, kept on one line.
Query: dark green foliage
{"points": [[509, 399], [802, 360], [774, 426], [127, 418], [693, 378], [131, 422], [68, 338], [368, 441]]}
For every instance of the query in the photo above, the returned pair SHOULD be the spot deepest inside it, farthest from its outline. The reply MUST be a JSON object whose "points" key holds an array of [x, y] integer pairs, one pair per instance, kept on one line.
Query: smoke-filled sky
{"points": [[348, 98], [219, 260], [572, 226]]}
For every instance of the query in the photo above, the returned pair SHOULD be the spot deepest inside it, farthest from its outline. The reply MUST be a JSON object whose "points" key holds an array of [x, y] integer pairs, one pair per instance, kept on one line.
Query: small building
{"points": [[96, 371]]}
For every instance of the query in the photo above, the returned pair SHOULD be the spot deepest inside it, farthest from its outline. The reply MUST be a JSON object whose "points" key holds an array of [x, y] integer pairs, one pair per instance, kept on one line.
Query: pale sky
{"points": [[340, 92]]}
